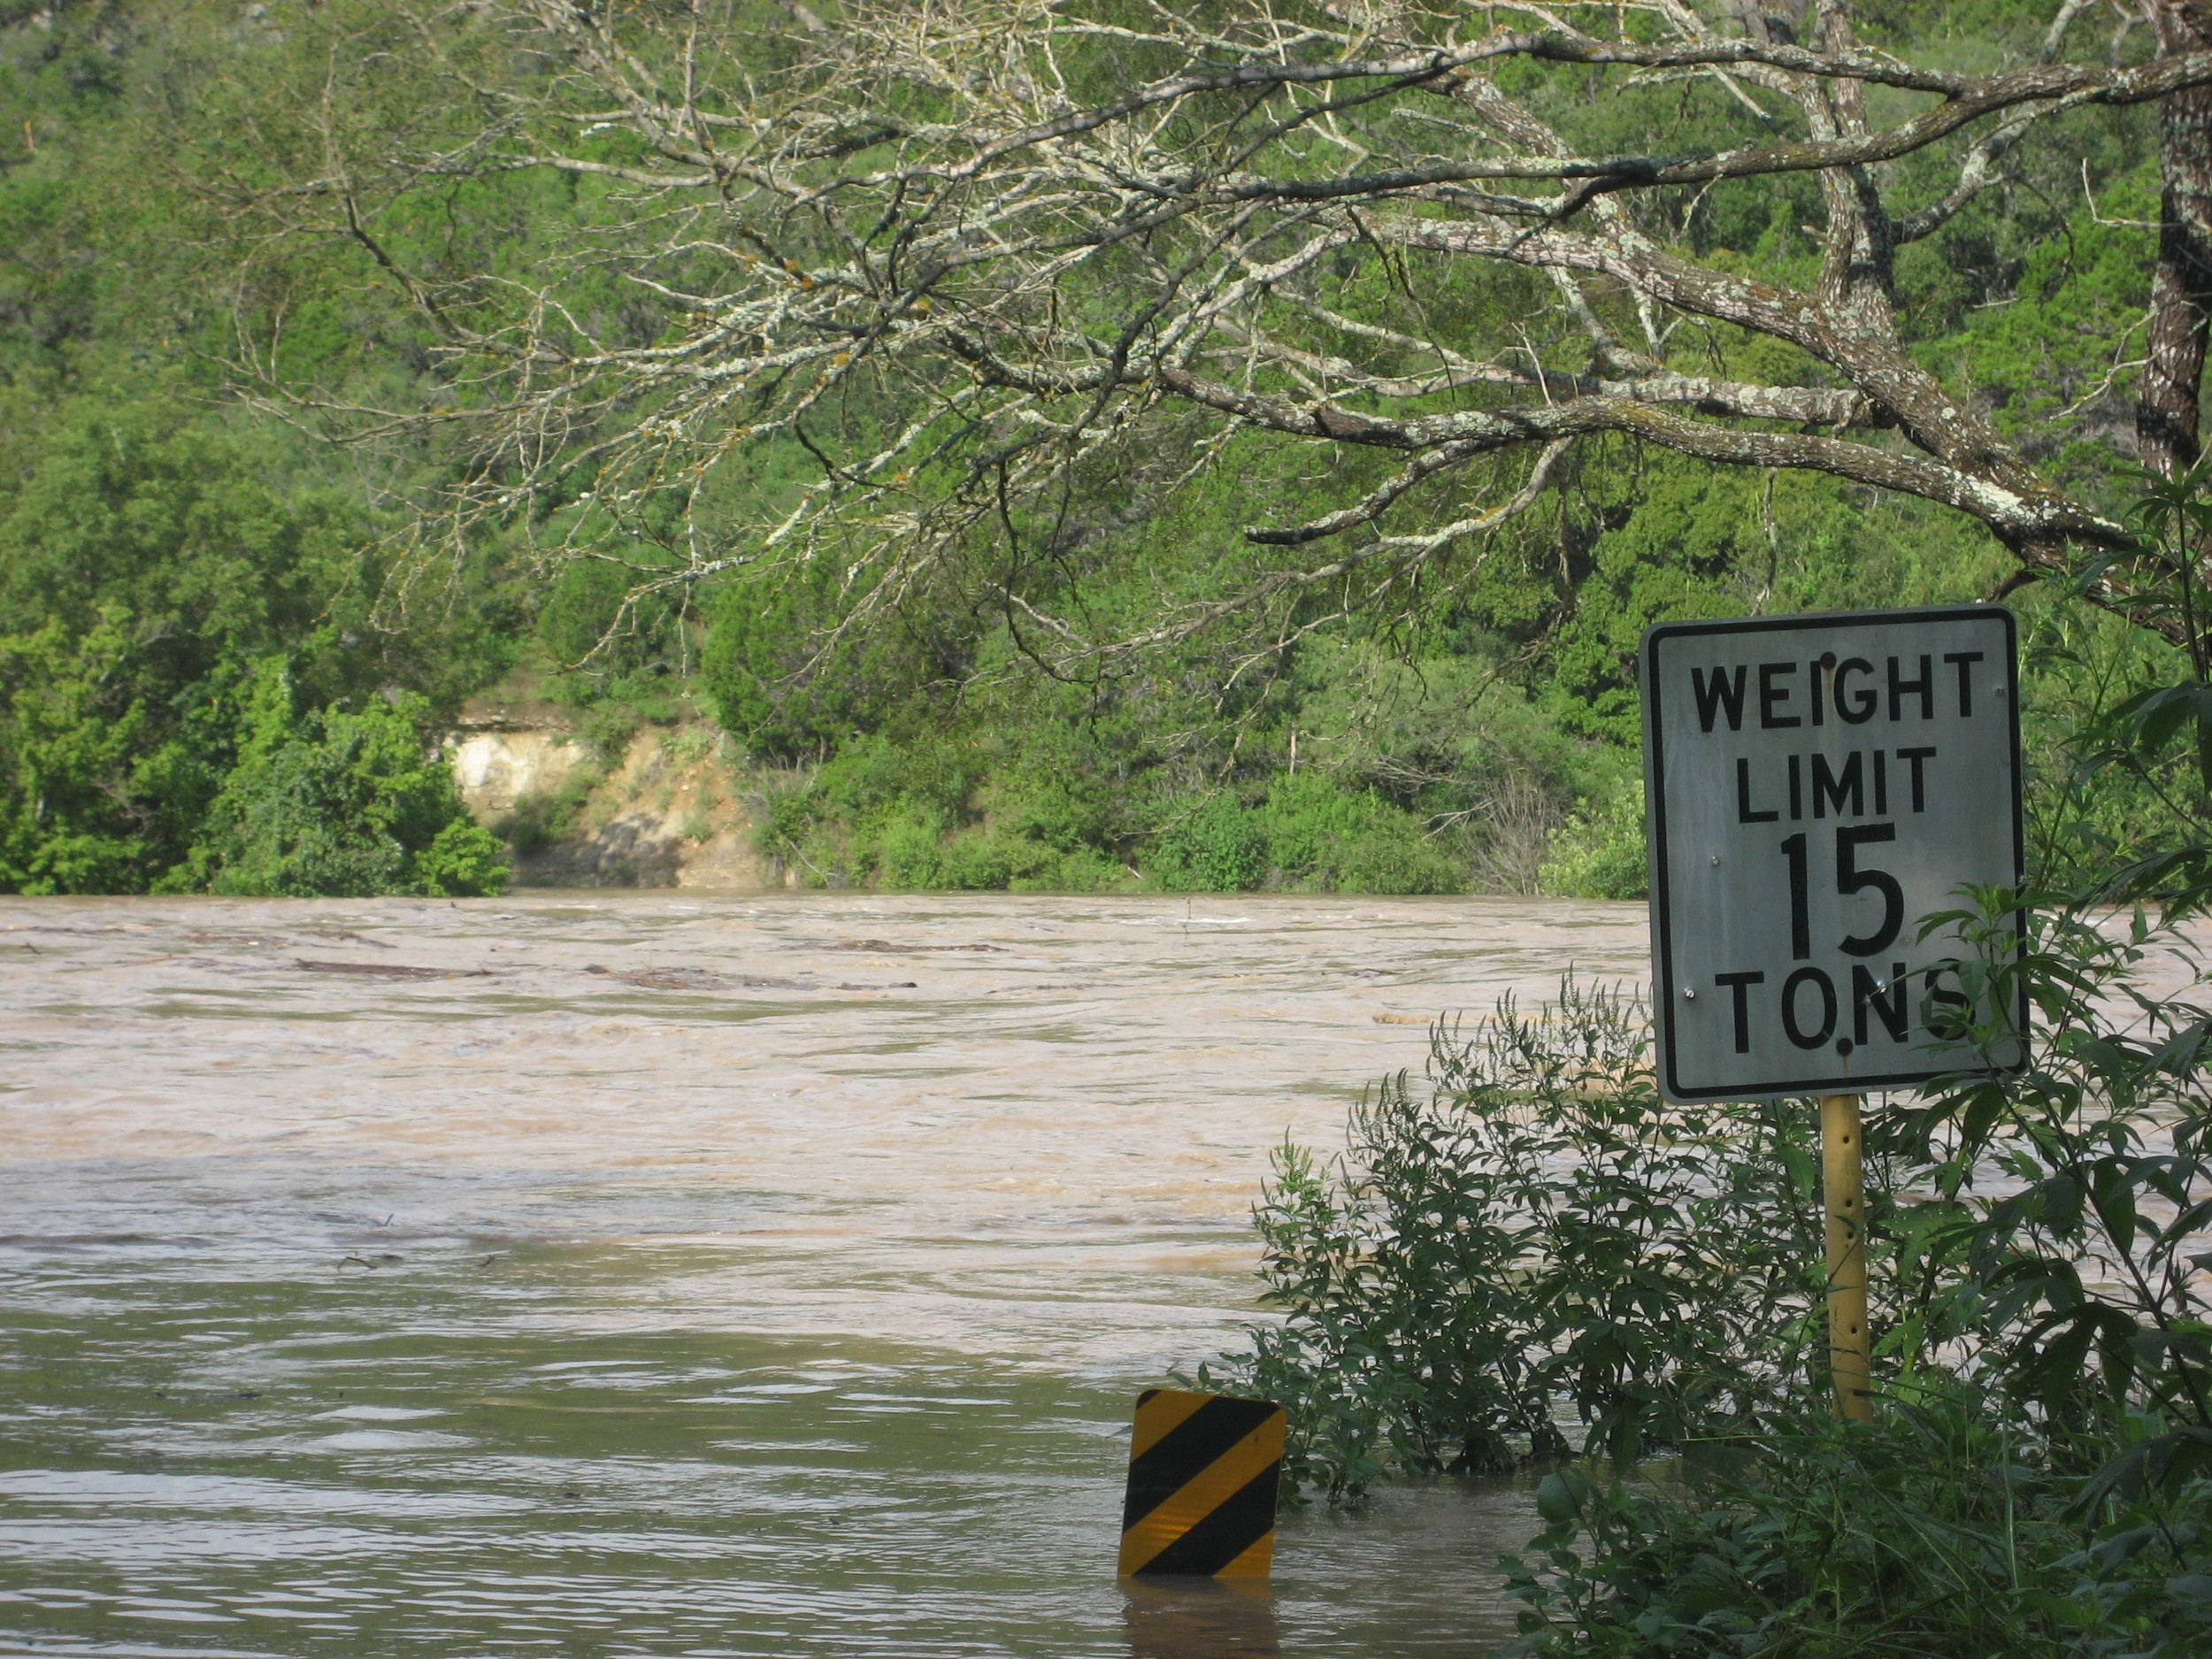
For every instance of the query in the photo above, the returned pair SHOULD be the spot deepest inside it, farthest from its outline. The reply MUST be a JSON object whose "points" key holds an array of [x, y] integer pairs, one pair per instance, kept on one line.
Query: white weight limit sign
{"points": [[1816, 785]]}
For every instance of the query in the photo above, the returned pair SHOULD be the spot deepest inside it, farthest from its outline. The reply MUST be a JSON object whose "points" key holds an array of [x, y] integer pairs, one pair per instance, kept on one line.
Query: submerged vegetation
{"points": [[1531, 1240], [1531, 1261]]}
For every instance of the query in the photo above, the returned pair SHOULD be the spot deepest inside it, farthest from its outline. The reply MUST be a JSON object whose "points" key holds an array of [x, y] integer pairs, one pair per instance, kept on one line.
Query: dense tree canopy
{"points": [[954, 267], [1055, 440]]}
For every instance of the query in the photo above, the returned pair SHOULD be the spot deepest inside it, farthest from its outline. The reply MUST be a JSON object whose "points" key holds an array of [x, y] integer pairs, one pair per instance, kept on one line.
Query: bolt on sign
{"points": [[1815, 785], [1202, 1473]]}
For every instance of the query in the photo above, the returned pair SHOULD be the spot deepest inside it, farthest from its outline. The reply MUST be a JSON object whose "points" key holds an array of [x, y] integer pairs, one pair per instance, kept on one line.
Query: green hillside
{"points": [[229, 627]]}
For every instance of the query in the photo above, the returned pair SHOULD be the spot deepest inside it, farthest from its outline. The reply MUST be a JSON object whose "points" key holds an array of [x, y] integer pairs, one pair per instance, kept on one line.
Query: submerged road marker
{"points": [[1202, 1473]]}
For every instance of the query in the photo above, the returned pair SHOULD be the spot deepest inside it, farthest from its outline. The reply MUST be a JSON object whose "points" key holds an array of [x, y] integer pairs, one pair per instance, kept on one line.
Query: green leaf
{"points": [[1556, 1501]]}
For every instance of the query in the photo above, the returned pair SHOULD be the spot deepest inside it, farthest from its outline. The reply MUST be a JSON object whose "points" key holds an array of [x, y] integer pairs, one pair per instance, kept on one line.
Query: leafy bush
{"points": [[1319, 833], [876, 811], [329, 802], [1598, 852], [1531, 1240], [68, 755], [464, 860], [943, 813], [1308, 832], [1535, 1241], [942, 810], [1218, 846], [904, 846], [145, 566], [1934, 1530], [543, 816], [788, 685], [152, 557], [1384, 862], [588, 618]]}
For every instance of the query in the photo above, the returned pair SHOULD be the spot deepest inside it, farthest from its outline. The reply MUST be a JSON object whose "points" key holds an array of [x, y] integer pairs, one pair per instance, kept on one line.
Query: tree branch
{"points": [[2011, 515]]}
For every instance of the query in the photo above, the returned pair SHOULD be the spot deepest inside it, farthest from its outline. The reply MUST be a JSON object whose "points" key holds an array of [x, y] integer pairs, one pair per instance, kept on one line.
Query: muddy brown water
{"points": [[668, 1274]]}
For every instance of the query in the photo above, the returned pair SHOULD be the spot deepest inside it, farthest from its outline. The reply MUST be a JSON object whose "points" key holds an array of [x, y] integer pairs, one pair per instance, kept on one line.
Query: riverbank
{"points": [[671, 812]]}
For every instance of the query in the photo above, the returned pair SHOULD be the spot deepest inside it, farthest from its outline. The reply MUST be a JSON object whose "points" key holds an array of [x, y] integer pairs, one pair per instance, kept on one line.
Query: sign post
{"points": [[1815, 785], [1843, 1196]]}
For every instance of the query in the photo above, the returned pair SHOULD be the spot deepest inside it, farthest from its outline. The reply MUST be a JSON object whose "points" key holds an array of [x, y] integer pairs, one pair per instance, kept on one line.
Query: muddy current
{"points": [[669, 1274]]}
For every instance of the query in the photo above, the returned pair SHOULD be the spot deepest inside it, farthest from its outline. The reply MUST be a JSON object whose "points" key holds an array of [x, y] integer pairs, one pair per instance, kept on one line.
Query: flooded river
{"points": [[666, 1274]]}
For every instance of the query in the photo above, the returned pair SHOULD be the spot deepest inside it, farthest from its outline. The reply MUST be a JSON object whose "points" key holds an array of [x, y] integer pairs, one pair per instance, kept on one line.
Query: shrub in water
{"points": [[1308, 833], [1529, 1257], [1320, 834], [1381, 862], [334, 802], [1936, 1532], [1533, 1258], [904, 846], [1217, 847], [1598, 852]]}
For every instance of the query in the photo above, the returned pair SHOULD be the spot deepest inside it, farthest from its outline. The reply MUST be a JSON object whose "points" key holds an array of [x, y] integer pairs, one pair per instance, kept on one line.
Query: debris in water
{"points": [[673, 979], [390, 970], [694, 979], [886, 945]]}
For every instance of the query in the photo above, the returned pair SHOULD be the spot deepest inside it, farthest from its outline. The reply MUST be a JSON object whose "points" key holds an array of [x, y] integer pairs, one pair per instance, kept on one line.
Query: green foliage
{"points": [[538, 821], [1932, 1530], [584, 618], [68, 755], [1462, 724], [464, 860], [1598, 853], [1530, 1241], [131, 503], [789, 684], [1309, 832], [1218, 846], [1535, 1240], [330, 802], [158, 544], [2117, 721], [951, 810], [1320, 833], [2096, 801], [151, 574], [935, 811]]}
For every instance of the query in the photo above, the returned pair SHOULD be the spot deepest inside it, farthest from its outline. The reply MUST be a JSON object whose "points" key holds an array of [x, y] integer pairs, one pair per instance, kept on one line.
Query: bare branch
{"points": [[896, 251], [1472, 434]]}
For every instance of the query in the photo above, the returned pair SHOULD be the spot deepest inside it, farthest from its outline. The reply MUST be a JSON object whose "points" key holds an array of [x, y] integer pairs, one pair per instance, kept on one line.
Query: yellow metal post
{"points": [[1843, 1190]]}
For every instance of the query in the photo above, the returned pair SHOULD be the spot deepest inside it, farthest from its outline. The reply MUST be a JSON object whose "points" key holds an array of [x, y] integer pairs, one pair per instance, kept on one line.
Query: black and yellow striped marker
{"points": [[1203, 1470]]}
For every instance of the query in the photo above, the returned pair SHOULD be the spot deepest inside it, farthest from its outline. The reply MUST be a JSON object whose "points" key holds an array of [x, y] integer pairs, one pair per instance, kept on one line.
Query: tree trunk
{"points": [[2166, 429]]}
